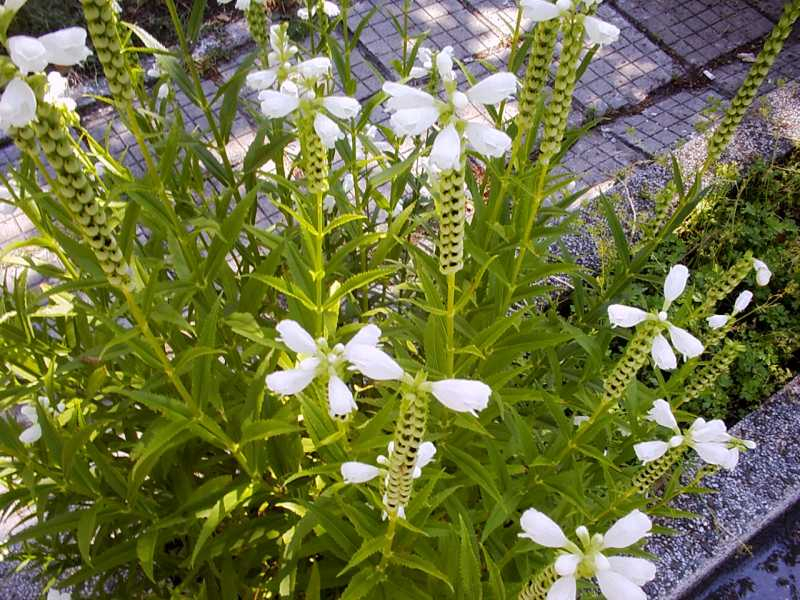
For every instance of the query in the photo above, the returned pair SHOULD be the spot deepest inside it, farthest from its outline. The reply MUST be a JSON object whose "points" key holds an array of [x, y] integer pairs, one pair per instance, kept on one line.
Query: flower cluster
{"points": [[710, 440], [597, 30], [689, 346], [414, 112], [329, 9], [742, 302], [33, 433], [619, 577], [65, 47], [362, 354]]}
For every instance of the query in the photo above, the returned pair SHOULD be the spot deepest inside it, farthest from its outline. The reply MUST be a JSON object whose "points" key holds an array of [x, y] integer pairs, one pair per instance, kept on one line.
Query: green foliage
{"points": [[154, 455]]}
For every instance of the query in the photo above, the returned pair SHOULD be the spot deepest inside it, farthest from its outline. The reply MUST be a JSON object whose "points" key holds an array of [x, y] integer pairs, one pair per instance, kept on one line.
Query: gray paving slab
{"points": [[729, 77], [698, 30], [625, 72], [773, 8], [445, 22], [598, 157], [501, 14], [660, 127]]}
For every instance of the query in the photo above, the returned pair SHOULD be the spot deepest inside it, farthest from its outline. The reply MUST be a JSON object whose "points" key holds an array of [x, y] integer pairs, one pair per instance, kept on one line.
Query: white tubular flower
{"points": [[446, 150], [14, 5], [17, 105], [619, 577], [327, 130], [543, 10], [461, 395], [240, 4], [663, 356], [314, 68], [494, 89], [66, 47], [358, 472], [425, 60], [710, 440], [763, 274], [743, 300], [599, 31], [328, 8], [425, 454], [29, 54], [262, 80], [318, 360], [277, 105]]}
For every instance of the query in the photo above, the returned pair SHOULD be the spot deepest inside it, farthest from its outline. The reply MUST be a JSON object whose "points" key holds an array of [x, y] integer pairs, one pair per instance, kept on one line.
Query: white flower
{"points": [[461, 395], [318, 360], [743, 300], [358, 472], [327, 130], [763, 274], [493, 89], [710, 440], [29, 54], [261, 80], [689, 346], [600, 32], [17, 105], [342, 107], [542, 10], [619, 577], [329, 8], [66, 47], [163, 91], [425, 60], [240, 4], [58, 91], [717, 321]]}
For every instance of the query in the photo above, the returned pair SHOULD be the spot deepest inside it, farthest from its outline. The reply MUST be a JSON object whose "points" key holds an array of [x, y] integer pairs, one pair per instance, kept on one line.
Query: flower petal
{"points": [[638, 570], [414, 121], [539, 10], [404, 96], [314, 68], [66, 47], [31, 435], [628, 530], [293, 381], [340, 398], [564, 588], [295, 337], [650, 451], [675, 283], [715, 453], [327, 130], [661, 413], [369, 335], [487, 140], [599, 31], [261, 80], [711, 431], [567, 564], [446, 151], [276, 105], [372, 362], [444, 63], [541, 529], [493, 89], [425, 454], [343, 107], [662, 354], [17, 104], [685, 342], [358, 472], [462, 395], [717, 321], [621, 315], [618, 587], [29, 54]]}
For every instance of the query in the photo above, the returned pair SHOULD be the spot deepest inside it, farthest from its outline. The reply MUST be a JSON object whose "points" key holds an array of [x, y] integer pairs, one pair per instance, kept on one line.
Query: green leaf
{"points": [[414, 562], [368, 548], [356, 282], [86, 527], [145, 551], [479, 474], [264, 430]]}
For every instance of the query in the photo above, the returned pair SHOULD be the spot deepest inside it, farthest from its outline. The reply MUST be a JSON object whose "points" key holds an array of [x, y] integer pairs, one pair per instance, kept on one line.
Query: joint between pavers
{"points": [[641, 151]]}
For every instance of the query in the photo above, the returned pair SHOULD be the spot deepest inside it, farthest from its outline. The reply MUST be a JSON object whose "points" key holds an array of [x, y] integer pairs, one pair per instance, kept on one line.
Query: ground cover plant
{"points": [[759, 214], [387, 394]]}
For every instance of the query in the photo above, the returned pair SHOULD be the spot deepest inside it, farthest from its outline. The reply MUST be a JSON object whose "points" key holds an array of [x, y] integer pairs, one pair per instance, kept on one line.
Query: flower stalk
{"points": [[314, 158], [257, 15], [747, 92], [539, 585], [103, 24], [652, 472], [707, 376]]}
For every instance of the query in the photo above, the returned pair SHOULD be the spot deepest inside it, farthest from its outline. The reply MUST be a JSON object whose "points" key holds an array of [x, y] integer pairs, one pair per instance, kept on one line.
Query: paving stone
{"points": [[774, 8], [658, 128], [501, 14], [598, 157], [625, 72], [698, 30], [447, 23], [786, 68]]}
